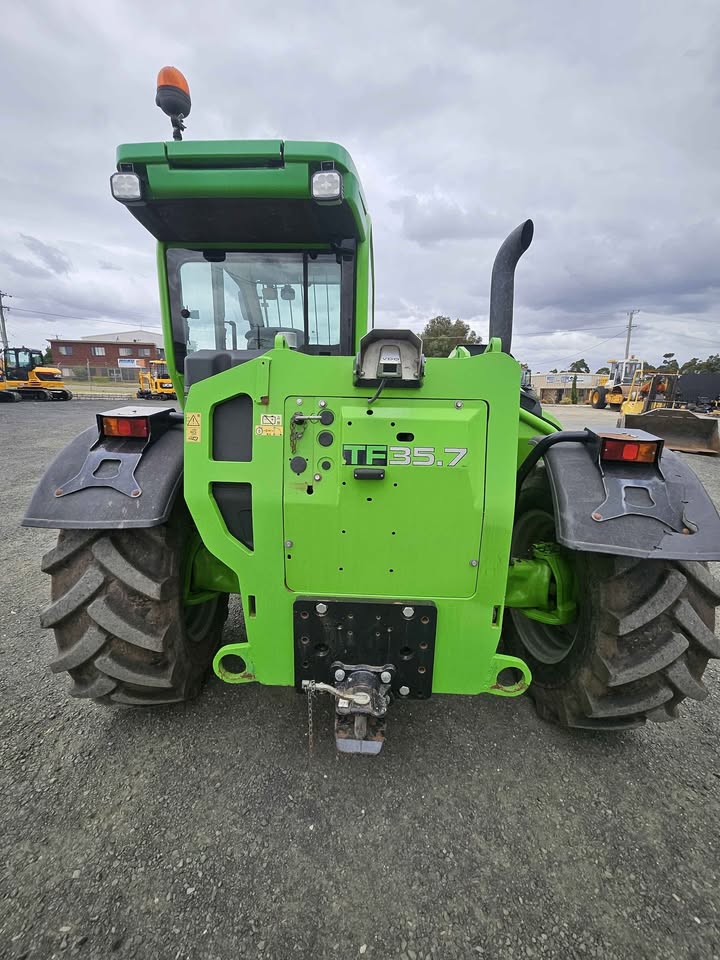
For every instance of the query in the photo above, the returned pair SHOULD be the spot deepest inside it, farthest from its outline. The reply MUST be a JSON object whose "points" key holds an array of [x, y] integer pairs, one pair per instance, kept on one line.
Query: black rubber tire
{"points": [[597, 398], [122, 630], [644, 635]]}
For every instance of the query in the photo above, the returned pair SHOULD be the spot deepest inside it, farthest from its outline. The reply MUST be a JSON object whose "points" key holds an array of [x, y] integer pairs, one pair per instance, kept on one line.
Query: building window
{"points": [[125, 352], [145, 352], [65, 351], [98, 351]]}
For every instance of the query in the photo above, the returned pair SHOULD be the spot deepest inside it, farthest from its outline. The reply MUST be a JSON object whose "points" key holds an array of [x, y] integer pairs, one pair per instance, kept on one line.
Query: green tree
{"points": [[711, 365], [691, 366], [669, 364], [48, 357], [573, 391], [579, 366], [603, 370], [554, 370], [441, 335]]}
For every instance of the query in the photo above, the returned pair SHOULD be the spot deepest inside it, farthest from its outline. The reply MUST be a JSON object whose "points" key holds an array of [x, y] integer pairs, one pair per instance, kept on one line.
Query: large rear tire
{"points": [[639, 647], [597, 398], [123, 630]]}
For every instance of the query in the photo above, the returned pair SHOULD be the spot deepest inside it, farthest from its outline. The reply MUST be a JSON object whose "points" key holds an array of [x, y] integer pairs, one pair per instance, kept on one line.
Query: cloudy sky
{"points": [[601, 121]]}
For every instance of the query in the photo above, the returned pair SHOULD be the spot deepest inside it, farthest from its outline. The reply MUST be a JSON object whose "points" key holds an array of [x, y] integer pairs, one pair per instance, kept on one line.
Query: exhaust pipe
{"points": [[502, 285]]}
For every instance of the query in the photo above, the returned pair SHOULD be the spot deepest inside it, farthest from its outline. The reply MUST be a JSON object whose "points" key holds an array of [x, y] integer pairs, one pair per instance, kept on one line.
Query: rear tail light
{"points": [[137, 427], [629, 450]]}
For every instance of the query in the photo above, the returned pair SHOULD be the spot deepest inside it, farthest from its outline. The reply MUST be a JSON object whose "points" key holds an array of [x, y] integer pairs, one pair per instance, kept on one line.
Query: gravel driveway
{"points": [[205, 831]]}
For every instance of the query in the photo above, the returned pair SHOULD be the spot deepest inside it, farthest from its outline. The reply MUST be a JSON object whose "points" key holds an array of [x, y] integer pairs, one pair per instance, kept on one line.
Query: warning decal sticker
{"points": [[270, 425], [193, 427]]}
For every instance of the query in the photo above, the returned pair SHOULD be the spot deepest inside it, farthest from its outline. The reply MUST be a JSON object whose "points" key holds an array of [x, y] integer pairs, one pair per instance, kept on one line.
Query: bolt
{"points": [[288, 543], [597, 516], [339, 675], [317, 477], [386, 676], [473, 563], [299, 401], [321, 609], [322, 403], [458, 404], [408, 612], [404, 691]]}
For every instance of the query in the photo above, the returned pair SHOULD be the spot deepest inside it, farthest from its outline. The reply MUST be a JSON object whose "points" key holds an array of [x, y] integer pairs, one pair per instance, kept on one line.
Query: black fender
{"points": [[158, 475], [653, 511]]}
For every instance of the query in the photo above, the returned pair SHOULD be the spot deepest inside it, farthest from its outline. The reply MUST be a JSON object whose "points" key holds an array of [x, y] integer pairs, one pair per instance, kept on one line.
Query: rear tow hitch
{"points": [[362, 697]]}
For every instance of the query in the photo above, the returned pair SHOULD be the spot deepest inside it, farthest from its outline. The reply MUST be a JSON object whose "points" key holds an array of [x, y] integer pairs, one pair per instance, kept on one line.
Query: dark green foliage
{"points": [[441, 335], [579, 366]]}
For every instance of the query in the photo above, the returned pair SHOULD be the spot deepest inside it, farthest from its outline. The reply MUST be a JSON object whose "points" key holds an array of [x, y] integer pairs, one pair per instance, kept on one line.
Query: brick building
{"points": [[116, 356]]}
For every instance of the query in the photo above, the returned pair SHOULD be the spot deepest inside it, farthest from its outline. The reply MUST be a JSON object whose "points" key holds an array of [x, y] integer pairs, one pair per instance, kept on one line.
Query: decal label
{"points": [[193, 427], [270, 425], [379, 455]]}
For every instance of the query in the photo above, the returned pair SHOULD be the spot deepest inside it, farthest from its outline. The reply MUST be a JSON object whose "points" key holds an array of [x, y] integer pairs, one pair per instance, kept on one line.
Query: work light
{"points": [[126, 186], [327, 185]]}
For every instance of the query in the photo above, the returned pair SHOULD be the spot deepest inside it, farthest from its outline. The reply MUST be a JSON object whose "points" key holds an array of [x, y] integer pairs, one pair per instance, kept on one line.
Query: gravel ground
{"points": [[205, 831]]}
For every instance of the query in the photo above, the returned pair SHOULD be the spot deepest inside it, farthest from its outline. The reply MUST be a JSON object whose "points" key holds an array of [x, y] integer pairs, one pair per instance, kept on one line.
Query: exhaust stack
{"points": [[502, 285]]}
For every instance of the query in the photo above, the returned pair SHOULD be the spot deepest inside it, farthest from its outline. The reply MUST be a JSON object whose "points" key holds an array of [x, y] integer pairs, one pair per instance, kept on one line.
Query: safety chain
{"points": [[297, 429], [310, 695]]}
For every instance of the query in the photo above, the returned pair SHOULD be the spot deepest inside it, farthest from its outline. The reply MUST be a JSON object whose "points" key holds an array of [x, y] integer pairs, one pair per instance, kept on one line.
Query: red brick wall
{"points": [[82, 351]]}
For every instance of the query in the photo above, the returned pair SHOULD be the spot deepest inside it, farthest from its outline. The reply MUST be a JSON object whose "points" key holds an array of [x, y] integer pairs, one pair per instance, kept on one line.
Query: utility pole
{"points": [[630, 315], [3, 330]]}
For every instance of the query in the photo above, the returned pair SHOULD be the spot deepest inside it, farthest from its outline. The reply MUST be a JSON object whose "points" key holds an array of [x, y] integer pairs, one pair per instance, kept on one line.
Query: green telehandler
{"points": [[396, 527]]}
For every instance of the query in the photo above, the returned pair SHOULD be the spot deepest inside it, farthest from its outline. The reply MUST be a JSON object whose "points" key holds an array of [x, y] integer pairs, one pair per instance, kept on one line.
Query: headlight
{"points": [[327, 185], [126, 186]]}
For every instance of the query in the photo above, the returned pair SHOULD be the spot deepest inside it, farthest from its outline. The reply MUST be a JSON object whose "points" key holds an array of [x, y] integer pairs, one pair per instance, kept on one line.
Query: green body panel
{"points": [[452, 524]]}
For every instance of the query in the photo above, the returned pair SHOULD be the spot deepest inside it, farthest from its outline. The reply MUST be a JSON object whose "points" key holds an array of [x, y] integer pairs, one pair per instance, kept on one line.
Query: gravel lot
{"points": [[205, 831]]}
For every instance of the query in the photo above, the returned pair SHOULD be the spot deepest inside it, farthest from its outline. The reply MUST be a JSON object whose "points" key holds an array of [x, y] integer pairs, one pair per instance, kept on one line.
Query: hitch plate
{"points": [[365, 632]]}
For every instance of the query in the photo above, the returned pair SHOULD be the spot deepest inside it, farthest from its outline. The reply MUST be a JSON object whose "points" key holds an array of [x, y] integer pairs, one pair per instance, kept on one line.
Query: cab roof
{"points": [[242, 191]]}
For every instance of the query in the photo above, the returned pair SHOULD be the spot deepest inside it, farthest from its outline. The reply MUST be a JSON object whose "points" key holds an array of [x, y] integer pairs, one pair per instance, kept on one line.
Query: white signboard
{"points": [[129, 362]]}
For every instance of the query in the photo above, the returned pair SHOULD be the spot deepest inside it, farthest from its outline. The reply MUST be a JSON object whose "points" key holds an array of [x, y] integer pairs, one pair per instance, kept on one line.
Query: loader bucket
{"points": [[681, 430]]}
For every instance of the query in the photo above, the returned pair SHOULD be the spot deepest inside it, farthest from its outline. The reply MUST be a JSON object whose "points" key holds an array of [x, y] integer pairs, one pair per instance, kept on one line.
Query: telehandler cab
{"points": [[396, 527]]}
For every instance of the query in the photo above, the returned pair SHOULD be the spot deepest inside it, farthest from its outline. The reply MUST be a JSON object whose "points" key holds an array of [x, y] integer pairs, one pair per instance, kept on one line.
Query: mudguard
{"points": [[158, 473], [651, 511]]}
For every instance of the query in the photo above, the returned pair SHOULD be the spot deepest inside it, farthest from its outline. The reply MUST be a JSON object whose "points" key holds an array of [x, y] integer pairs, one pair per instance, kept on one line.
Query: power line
{"points": [[67, 316], [595, 346]]}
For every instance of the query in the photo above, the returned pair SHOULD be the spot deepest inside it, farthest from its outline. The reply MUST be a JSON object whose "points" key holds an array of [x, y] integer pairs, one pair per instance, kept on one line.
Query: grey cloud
{"points": [[24, 268], [429, 219], [54, 259]]}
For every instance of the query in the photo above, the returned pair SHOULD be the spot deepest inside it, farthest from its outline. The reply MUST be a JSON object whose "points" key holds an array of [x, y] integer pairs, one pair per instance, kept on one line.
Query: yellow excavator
{"points": [[155, 382], [24, 376], [654, 404]]}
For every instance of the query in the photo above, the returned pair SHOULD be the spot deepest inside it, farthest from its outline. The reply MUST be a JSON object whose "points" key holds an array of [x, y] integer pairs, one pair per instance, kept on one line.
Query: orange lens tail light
{"points": [[133, 427], [629, 450]]}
